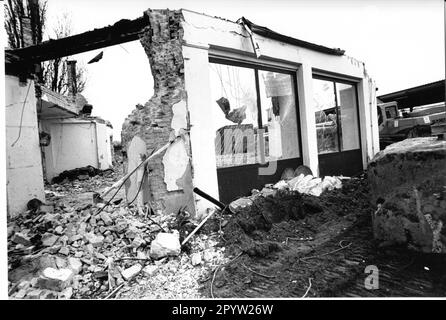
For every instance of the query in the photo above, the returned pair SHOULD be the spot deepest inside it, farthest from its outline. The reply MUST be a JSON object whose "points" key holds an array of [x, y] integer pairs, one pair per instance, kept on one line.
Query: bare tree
{"points": [[54, 72], [15, 10]]}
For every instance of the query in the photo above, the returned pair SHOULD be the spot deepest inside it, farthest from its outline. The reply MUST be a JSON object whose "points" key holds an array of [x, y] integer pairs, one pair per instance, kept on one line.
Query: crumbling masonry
{"points": [[164, 117]]}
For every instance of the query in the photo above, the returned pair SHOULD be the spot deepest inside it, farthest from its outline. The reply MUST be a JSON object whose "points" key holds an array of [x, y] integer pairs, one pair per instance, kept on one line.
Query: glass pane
{"points": [[326, 116], [279, 119], [348, 115], [235, 116]]}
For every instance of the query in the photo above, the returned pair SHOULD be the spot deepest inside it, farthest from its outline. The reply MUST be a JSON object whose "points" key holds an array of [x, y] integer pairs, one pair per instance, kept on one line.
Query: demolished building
{"points": [[47, 133], [239, 90], [247, 102], [76, 138]]}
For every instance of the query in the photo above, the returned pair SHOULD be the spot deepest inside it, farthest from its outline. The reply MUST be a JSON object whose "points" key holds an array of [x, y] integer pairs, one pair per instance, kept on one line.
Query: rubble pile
{"points": [[307, 184], [83, 173], [71, 249], [302, 184], [182, 277]]}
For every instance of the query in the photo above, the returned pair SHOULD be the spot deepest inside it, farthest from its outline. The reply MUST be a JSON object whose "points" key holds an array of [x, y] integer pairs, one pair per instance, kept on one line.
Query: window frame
{"points": [[335, 80], [256, 68]]}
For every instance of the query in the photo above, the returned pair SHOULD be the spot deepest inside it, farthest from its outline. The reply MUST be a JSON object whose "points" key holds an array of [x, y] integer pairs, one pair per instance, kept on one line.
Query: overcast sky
{"points": [[401, 42]]}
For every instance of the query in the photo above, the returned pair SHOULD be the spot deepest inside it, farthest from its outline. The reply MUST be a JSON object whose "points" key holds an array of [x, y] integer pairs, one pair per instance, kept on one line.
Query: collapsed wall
{"points": [[162, 118], [408, 184]]}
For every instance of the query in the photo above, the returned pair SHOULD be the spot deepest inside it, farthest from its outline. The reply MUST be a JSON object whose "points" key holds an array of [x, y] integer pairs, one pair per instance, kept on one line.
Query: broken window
{"points": [[336, 114], [279, 118], [348, 116], [254, 115], [235, 114], [326, 116]]}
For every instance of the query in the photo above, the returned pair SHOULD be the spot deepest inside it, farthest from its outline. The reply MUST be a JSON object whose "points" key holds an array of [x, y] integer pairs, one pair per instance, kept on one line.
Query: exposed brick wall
{"points": [[162, 42]]}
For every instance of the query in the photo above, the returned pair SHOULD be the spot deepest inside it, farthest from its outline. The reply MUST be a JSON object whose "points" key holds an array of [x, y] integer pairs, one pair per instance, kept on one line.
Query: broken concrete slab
{"points": [[55, 279], [196, 258], [93, 239], [208, 256], [65, 251], [47, 261], [58, 230], [66, 293], [49, 239], [165, 244], [240, 203], [132, 232], [121, 226], [21, 238], [75, 264], [60, 262], [106, 218], [131, 272], [150, 270], [48, 294], [20, 294], [138, 242], [34, 294]]}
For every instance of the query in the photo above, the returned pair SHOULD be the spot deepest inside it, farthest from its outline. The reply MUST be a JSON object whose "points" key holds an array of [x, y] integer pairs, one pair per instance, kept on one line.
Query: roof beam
{"points": [[122, 31]]}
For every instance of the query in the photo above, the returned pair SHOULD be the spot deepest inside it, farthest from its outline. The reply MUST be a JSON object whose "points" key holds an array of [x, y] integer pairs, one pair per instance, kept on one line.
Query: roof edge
{"points": [[268, 33]]}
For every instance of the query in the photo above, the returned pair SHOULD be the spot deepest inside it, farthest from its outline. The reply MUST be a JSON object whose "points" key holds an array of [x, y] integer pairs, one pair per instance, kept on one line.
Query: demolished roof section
{"points": [[58, 101], [120, 32], [129, 30], [268, 33]]}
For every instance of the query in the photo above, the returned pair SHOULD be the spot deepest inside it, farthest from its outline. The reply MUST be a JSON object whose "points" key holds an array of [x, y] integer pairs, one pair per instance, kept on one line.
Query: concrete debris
{"points": [[67, 293], [20, 238], [165, 244], [306, 184], [65, 251], [75, 264], [83, 173], [49, 239], [94, 239], [240, 203], [55, 279], [72, 252], [34, 294], [150, 270], [196, 259], [131, 272]]}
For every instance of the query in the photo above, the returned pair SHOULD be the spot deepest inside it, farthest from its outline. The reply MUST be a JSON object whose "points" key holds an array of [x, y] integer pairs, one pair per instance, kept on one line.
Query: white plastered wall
{"points": [[103, 146], [24, 177], [73, 145]]}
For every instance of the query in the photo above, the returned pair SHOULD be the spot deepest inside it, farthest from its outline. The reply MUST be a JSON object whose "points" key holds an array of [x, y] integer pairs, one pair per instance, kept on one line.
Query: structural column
{"points": [[368, 117], [307, 118], [202, 132]]}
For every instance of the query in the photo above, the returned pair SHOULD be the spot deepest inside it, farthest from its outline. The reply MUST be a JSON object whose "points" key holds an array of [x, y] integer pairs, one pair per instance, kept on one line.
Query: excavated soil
{"points": [[283, 243]]}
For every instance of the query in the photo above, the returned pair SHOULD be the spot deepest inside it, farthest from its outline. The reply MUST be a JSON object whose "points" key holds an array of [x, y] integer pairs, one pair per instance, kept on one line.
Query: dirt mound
{"points": [[272, 237], [289, 213]]}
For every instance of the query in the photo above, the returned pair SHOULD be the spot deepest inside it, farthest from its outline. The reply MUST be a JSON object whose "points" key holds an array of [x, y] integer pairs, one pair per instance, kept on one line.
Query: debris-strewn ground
{"points": [[284, 243], [276, 247], [99, 255]]}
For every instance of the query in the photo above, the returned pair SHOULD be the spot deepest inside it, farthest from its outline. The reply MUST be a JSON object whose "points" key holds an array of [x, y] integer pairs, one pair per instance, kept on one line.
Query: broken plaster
{"points": [[175, 162], [179, 118]]}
